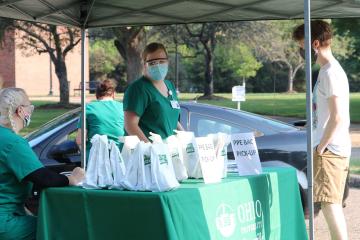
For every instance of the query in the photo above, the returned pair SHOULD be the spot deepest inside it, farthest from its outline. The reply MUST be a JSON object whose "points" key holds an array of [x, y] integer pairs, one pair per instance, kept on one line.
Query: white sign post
{"points": [[246, 154], [210, 166], [238, 94]]}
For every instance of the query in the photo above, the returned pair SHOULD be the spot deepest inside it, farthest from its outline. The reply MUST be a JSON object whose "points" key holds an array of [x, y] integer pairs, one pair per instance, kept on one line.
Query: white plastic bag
{"points": [[155, 138], [144, 173], [98, 173], [189, 149], [90, 181], [221, 142], [138, 171], [177, 158], [117, 166], [162, 170], [130, 143], [104, 172]]}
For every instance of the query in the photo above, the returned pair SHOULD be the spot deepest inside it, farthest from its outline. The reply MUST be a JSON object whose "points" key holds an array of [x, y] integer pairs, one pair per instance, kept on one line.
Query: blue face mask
{"points": [[158, 72]]}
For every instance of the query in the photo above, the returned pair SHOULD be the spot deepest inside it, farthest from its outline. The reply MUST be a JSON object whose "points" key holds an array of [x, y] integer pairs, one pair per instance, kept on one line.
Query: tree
{"points": [[239, 58], [233, 60], [347, 32], [130, 41], [272, 41], [36, 37], [205, 34], [103, 57]]}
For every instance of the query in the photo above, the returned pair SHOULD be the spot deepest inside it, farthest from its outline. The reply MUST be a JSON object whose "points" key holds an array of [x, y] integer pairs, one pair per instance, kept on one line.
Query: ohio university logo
{"points": [[225, 220], [249, 216]]}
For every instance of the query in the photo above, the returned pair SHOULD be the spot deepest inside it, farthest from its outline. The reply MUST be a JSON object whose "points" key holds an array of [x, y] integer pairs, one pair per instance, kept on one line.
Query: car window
{"points": [[65, 118], [272, 124], [184, 117], [202, 125]]}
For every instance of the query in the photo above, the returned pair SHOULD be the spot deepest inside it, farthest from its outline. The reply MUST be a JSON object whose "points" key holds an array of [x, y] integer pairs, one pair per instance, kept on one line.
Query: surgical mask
{"points": [[314, 54], [27, 116], [158, 72], [27, 120]]}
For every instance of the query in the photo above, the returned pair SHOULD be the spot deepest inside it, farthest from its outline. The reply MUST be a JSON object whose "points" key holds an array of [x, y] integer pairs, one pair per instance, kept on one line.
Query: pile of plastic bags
{"points": [[157, 166]]}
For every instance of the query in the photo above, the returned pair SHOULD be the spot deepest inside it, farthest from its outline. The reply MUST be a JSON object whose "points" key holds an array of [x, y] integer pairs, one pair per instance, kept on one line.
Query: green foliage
{"points": [[262, 52], [103, 56], [348, 29], [239, 58]]}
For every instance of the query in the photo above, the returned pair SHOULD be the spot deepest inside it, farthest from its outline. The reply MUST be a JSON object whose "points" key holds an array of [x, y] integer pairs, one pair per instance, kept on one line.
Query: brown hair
{"points": [[320, 30], [153, 47], [105, 88]]}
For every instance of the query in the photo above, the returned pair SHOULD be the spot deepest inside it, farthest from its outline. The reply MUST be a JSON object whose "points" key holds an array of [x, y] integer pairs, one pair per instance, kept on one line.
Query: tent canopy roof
{"points": [[102, 13]]}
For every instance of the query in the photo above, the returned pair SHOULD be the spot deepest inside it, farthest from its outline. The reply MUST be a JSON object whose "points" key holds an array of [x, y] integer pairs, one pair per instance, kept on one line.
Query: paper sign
{"points": [[238, 93], [246, 154], [210, 166]]}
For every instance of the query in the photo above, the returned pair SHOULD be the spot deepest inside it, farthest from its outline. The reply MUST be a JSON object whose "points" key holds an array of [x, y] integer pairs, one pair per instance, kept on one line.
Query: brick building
{"points": [[32, 73]]}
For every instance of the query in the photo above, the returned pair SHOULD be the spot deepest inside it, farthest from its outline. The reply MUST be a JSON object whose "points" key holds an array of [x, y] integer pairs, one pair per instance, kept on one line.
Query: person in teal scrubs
{"points": [[20, 168], [151, 103], [104, 116]]}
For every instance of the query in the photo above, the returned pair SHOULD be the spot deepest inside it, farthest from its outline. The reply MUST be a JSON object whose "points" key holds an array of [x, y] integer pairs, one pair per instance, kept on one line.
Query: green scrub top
{"points": [[17, 160], [104, 117], [154, 109]]}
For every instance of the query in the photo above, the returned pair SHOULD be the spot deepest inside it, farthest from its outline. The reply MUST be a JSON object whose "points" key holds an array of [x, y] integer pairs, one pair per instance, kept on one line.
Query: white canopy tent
{"points": [[105, 13]]}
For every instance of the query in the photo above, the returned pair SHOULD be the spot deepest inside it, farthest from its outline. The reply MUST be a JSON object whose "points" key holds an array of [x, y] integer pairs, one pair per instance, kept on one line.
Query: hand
{"points": [[320, 149], [77, 175]]}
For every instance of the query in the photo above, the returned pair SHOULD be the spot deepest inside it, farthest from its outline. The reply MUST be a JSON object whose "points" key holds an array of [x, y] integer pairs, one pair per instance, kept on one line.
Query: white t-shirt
{"points": [[332, 81]]}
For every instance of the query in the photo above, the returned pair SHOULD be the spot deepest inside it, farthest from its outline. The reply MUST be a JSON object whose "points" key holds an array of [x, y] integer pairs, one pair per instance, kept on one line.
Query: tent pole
{"points": [[307, 44], [83, 97]]}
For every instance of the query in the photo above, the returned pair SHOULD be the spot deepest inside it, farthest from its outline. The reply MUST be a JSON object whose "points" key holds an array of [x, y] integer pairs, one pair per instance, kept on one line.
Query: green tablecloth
{"points": [[265, 206]]}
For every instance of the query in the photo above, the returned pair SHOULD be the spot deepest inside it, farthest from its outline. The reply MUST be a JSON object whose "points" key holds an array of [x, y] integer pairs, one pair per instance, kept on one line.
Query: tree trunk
{"points": [[134, 65], [209, 72], [61, 73], [290, 81], [129, 43]]}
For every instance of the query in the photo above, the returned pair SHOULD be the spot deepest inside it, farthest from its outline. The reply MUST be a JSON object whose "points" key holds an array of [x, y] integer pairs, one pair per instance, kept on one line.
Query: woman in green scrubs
{"points": [[150, 102], [20, 167], [104, 116]]}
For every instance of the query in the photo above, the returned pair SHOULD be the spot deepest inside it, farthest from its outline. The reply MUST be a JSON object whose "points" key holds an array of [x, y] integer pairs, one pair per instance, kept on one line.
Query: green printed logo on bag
{"points": [[147, 160], [224, 152], [163, 159], [190, 148], [175, 157]]}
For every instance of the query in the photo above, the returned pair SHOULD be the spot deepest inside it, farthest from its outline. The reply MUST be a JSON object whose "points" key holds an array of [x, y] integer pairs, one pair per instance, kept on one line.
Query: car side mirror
{"points": [[63, 151]]}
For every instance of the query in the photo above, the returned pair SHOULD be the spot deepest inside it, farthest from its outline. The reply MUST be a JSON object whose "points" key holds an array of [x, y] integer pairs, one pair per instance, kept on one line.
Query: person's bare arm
{"points": [[78, 137], [334, 122], [132, 126], [179, 127]]}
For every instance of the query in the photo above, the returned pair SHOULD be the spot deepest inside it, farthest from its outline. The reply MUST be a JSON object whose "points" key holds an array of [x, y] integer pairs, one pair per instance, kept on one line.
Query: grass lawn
{"points": [[279, 104]]}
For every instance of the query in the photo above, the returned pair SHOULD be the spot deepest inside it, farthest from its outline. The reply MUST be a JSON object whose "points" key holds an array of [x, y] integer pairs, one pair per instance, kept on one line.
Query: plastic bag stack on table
{"points": [[150, 167], [189, 149], [138, 171], [106, 167], [130, 143], [177, 157]]}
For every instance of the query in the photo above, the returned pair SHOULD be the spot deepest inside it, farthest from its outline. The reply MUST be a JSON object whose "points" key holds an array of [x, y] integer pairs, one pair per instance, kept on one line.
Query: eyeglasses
{"points": [[32, 107], [156, 61]]}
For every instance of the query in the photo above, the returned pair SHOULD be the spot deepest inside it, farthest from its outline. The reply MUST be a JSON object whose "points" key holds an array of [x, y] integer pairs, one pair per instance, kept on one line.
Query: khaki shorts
{"points": [[330, 172]]}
